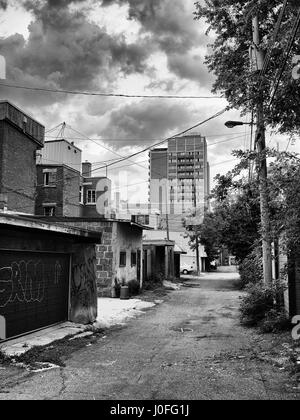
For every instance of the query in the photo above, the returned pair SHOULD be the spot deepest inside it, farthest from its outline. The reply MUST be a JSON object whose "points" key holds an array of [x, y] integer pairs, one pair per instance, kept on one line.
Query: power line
{"points": [[131, 140], [113, 189], [275, 35], [172, 137], [153, 146], [135, 163], [288, 51], [148, 148], [118, 95]]}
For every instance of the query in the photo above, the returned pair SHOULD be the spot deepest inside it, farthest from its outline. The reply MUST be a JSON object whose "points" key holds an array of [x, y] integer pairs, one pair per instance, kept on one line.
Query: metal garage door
{"points": [[34, 291]]}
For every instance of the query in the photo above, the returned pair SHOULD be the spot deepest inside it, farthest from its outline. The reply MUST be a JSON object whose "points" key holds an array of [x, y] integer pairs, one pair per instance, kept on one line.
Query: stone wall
{"points": [[116, 237], [105, 256]]}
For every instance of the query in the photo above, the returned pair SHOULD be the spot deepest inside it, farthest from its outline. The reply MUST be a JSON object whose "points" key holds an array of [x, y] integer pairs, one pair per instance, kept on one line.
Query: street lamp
{"points": [[232, 124]]}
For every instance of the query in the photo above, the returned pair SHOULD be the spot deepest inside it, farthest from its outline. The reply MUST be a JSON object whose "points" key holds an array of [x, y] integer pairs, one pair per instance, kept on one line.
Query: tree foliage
{"points": [[235, 219], [230, 22], [234, 222]]}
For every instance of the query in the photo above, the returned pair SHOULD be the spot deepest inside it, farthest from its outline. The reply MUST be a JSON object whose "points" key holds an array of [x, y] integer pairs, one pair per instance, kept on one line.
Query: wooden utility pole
{"points": [[195, 227], [262, 164], [167, 211]]}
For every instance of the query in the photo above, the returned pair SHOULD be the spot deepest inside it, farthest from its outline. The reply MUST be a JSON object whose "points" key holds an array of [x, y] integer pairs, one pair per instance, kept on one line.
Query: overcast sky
{"points": [[139, 47]]}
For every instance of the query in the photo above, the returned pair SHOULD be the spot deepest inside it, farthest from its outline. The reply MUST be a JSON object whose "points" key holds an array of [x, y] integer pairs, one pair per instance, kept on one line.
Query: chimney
{"points": [[87, 169]]}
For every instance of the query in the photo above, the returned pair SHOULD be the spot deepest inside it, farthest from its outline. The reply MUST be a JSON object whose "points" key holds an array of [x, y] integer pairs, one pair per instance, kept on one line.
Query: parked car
{"points": [[187, 268]]}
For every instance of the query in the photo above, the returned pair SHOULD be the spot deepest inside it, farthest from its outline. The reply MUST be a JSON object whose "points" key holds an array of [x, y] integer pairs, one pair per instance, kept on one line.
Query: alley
{"points": [[190, 347]]}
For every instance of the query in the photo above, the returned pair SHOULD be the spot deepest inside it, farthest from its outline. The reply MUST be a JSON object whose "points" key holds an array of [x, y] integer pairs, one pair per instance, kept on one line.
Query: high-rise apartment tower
{"points": [[180, 179]]}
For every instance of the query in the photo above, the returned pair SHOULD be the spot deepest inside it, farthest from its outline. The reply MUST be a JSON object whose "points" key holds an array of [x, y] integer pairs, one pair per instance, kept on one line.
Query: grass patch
{"points": [[55, 353], [4, 359]]}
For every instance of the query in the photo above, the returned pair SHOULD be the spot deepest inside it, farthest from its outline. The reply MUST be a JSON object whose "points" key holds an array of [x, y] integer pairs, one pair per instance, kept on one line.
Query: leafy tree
{"points": [[234, 221], [231, 24]]}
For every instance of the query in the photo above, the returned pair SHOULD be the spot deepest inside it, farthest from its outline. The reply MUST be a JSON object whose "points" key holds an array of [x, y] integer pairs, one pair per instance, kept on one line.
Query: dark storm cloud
{"points": [[171, 26], [190, 67], [174, 31], [65, 50], [3, 4], [146, 121]]}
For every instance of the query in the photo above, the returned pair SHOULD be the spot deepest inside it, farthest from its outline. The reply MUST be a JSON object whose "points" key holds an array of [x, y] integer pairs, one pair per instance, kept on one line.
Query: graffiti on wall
{"points": [[83, 287], [25, 282]]}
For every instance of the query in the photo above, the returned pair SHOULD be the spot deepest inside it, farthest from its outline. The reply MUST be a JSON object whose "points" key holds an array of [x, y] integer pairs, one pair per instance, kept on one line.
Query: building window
{"points": [[50, 178], [49, 211], [91, 197], [123, 259], [81, 195], [133, 259]]}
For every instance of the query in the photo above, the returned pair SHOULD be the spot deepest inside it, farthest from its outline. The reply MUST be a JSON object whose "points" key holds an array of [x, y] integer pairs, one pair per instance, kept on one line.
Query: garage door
{"points": [[34, 291]]}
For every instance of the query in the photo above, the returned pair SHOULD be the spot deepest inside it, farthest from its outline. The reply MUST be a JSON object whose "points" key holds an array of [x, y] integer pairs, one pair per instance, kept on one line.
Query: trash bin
{"points": [[124, 293]]}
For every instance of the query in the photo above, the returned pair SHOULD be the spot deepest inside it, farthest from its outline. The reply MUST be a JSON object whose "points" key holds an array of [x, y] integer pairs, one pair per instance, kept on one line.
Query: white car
{"points": [[187, 268]]}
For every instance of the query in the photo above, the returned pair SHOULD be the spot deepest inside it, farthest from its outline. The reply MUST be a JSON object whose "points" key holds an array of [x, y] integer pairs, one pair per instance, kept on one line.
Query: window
{"points": [[133, 259], [123, 259], [81, 195], [50, 178], [91, 197], [49, 211]]}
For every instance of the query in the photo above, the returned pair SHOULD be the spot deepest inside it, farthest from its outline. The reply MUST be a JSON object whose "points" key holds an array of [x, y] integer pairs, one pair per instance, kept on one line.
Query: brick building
{"points": [[20, 139], [66, 186]]}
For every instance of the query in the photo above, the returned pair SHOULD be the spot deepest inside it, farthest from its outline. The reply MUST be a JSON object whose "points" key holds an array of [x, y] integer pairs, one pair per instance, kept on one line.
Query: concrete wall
{"points": [[83, 290], [127, 239], [17, 168]]}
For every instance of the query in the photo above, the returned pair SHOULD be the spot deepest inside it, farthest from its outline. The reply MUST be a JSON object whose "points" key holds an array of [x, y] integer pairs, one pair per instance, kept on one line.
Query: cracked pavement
{"points": [[191, 347]]}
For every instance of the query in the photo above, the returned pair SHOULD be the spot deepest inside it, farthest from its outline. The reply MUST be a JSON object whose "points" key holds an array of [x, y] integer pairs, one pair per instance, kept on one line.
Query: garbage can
{"points": [[124, 293]]}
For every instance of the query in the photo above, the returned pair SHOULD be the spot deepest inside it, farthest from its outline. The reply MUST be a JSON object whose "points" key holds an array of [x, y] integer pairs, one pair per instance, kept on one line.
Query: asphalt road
{"points": [[190, 347]]}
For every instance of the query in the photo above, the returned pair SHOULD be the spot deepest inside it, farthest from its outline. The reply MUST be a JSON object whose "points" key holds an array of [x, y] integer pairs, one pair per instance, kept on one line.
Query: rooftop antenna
{"points": [[61, 133]]}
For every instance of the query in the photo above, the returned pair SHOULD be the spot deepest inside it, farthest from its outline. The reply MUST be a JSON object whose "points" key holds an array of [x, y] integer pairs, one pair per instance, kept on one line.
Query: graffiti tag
{"points": [[22, 282]]}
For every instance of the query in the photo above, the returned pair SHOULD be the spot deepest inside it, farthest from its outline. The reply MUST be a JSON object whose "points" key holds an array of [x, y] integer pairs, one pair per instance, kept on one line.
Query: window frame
{"points": [[50, 178], [53, 213], [124, 255], [133, 260], [93, 193]]}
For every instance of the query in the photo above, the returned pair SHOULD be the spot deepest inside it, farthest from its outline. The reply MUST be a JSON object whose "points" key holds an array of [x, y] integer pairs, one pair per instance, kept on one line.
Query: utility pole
{"points": [[195, 225], [262, 162], [167, 211]]}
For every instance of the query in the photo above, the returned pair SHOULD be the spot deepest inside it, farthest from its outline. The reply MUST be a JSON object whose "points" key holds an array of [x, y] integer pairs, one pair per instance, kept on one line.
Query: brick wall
{"points": [[17, 168], [65, 193]]}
